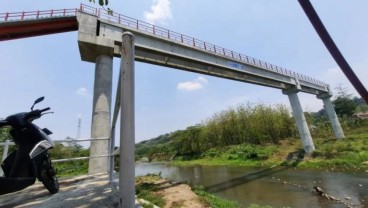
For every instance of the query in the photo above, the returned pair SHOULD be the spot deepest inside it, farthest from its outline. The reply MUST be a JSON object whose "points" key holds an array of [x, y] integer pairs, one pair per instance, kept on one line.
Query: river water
{"points": [[278, 187]]}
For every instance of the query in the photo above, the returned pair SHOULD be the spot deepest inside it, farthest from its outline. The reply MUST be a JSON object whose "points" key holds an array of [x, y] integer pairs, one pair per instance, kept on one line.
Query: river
{"points": [[278, 187]]}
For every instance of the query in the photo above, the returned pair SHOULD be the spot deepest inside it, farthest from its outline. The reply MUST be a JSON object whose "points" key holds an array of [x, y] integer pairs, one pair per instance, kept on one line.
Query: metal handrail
{"points": [[193, 42], [162, 33], [12, 16], [8, 142]]}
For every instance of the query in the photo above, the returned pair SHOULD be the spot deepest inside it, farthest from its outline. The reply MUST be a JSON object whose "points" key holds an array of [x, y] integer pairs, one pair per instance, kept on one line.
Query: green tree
{"points": [[344, 106]]}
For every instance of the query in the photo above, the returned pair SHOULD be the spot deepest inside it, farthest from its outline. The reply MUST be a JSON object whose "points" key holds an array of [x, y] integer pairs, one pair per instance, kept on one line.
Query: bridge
{"points": [[103, 35]]}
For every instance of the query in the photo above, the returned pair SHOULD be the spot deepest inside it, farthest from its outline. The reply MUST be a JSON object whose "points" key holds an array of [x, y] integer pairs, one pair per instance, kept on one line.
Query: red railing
{"points": [[160, 32], [14, 16]]}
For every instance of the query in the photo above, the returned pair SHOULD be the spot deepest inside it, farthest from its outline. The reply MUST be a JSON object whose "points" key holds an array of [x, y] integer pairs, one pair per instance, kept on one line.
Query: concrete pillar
{"points": [[334, 120], [101, 114], [301, 122], [127, 128]]}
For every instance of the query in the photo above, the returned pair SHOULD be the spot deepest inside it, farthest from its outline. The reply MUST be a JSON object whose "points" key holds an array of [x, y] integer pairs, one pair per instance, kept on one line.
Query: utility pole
{"points": [[79, 128]]}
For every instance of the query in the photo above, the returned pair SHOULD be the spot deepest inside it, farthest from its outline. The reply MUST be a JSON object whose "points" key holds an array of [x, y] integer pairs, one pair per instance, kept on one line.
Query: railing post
{"points": [[22, 16], [52, 12], [127, 126], [194, 42], [154, 30], [5, 154], [6, 16], [168, 34], [6, 149], [181, 37], [119, 19], [137, 25], [111, 150]]}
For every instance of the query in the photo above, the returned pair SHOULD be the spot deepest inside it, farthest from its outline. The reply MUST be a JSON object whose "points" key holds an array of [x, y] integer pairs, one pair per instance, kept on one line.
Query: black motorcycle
{"points": [[30, 160]]}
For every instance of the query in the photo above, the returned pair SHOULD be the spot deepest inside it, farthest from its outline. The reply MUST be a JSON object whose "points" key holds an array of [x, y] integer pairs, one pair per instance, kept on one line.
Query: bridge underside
{"points": [[11, 30]]}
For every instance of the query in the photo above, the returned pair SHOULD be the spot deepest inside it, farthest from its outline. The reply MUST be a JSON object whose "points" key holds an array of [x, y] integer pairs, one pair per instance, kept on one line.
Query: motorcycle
{"points": [[30, 160]]}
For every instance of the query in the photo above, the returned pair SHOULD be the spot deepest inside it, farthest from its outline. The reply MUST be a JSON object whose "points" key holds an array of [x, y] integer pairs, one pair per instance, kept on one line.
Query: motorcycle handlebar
{"points": [[36, 113], [3, 123], [45, 109]]}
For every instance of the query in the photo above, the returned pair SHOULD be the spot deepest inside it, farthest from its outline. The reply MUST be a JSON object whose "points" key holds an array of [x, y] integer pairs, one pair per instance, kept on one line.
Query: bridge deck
{"points": [[101, 34], [82, 191]]}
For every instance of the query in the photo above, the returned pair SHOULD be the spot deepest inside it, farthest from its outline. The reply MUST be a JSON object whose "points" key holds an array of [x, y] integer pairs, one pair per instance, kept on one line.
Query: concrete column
{"points": [[301, 122], [127, 128], [334, 120], [101, 114]]}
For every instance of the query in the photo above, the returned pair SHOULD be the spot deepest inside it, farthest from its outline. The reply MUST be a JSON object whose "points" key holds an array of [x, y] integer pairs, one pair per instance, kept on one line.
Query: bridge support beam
{"points": [[127, 128], [300, 120], [334, 120], [101, 114]]}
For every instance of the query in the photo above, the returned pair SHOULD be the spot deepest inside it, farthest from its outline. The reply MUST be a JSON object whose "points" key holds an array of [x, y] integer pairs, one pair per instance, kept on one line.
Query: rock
{"points": [[360, 185], [318, 190], [347, 198]]}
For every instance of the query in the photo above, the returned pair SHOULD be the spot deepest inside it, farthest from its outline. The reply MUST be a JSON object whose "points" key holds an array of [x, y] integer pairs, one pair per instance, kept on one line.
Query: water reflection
{"points": [[279, 187]]}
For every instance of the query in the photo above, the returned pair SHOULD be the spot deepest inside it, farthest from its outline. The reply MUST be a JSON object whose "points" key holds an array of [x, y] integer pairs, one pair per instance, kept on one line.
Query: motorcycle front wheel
{"points": [[47, 176]]}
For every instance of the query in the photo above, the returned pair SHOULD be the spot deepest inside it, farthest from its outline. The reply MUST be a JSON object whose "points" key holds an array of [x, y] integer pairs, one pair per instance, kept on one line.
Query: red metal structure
{"points": [[35, 23]]}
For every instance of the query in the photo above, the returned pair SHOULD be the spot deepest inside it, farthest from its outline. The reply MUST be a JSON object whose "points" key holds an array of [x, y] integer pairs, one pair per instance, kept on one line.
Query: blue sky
{"points": [[167, 99]]}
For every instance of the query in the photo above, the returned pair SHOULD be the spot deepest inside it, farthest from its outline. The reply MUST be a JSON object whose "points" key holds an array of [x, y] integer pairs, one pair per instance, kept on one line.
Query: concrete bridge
{"points": [[102, 36]]}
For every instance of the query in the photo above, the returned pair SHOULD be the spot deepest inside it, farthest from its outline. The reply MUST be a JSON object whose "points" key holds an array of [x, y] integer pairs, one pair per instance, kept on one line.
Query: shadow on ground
{"points": [[84, 191], [292, 160]]}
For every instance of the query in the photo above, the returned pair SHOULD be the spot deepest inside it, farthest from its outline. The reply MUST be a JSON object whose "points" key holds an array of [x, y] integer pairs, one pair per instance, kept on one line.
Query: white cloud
{"points": [[196, 84], [202, 79], [334, 76], [160, 12], [82, 91]]}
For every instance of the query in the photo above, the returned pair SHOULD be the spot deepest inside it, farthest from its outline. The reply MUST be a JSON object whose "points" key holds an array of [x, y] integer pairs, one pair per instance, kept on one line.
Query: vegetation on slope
{"points": [[259, 135]]}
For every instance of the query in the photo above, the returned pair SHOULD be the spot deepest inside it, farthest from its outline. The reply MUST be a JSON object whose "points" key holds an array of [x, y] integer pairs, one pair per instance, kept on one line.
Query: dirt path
{"points": [[178, 195]]}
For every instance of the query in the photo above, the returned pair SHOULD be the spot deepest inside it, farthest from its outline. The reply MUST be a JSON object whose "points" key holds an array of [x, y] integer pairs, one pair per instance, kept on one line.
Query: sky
{"points": [[277, 32]]}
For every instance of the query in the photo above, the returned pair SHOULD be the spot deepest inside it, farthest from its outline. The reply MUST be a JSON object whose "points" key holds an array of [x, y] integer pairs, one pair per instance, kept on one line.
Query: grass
{"points": [[71, 168], [349, 154], [146, 189], [212, 200]]}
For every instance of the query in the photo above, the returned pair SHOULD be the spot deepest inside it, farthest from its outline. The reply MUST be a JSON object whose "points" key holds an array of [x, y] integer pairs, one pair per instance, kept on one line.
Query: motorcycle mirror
{"points": [[37, 101]]}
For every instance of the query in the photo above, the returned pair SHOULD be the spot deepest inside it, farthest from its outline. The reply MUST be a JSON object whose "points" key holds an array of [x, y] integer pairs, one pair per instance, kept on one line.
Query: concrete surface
{"points": [[83, 191]]}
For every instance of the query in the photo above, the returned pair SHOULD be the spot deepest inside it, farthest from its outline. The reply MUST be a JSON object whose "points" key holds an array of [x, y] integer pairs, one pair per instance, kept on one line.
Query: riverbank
{"points": [[159, 192], [349, 154], [277, 186]]}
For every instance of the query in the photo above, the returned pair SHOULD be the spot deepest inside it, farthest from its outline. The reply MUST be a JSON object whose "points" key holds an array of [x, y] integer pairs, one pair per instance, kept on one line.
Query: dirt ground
{"points": [[178, 195]]}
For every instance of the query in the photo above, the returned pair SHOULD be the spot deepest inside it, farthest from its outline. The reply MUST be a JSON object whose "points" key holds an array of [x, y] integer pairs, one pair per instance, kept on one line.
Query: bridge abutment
{"points": [[334, 120], [300, 120], [101, 114]]}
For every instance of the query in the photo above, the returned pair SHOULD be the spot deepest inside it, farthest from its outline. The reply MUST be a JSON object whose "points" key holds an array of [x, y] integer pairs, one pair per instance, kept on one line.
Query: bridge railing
{"points": [[8, 143], [160, 32], [13, 16], [193, 42]]}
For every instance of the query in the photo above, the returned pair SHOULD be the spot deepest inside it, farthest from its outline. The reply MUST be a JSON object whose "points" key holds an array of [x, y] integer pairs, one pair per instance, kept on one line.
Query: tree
{"points": [[100, 2], [344, 106]]}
